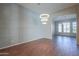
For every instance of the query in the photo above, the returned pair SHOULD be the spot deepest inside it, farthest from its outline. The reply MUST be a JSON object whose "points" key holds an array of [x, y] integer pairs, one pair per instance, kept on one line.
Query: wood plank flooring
{"points": [[58, 46], [39, 47]]}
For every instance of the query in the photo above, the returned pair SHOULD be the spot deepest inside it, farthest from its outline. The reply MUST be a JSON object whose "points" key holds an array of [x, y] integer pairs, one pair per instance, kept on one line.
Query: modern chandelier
{"points": [[44, 18]]}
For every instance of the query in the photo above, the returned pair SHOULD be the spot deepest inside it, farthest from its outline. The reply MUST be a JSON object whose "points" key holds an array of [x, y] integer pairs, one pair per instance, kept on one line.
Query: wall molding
{"points": [[20, 43], [17, 44]]}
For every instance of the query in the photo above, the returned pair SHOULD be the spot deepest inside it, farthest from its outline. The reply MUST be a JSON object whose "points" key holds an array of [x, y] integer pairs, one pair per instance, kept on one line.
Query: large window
{"points": [[74, 27], [66, 27], [59, 27]]}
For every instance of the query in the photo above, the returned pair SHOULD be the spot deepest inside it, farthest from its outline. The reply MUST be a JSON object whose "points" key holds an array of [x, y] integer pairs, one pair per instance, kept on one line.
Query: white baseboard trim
{"points": [[18, 43]]}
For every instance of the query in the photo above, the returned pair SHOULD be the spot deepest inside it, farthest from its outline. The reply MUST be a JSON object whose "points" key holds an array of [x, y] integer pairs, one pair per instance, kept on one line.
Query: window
{"points": [[66, 27], [59, 27], [74, 27]]}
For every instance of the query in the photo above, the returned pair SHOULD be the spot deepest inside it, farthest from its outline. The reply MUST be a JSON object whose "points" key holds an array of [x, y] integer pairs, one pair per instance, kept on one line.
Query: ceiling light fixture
{"points": [[44, 18], [44, 22]]}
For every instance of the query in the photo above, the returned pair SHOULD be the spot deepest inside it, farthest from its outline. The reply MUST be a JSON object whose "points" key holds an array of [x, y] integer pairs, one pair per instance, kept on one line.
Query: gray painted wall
{"points": [[19, 24]]}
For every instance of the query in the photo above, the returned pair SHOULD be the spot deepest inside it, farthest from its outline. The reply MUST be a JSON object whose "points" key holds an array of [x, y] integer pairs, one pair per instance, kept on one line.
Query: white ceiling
{"points": [[48, 8]]}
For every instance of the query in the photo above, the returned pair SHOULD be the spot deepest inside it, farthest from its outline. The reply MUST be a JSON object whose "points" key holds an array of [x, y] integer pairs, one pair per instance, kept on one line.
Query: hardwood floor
{"points": [[60, 46], [37, 47], [66, 46]]}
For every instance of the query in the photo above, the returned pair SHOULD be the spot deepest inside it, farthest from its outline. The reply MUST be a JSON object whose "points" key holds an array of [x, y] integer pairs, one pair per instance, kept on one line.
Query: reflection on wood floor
{"points": [[58, 46], [65, 45]]}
